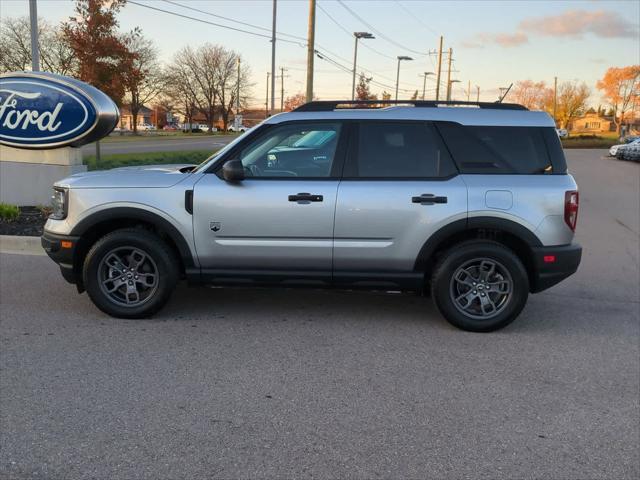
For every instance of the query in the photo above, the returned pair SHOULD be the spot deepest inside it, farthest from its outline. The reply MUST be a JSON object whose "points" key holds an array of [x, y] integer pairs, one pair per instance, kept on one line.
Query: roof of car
{"points": [[470, 114]]}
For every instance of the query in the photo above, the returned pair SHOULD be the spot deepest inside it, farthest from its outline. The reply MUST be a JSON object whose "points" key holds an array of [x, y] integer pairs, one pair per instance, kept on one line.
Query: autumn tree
{"points": [[363, 91], [621, 88], [571, 101], [533, 95], [294, 101], [100, 50], [146, 80], [56, 56], [386, 95]]}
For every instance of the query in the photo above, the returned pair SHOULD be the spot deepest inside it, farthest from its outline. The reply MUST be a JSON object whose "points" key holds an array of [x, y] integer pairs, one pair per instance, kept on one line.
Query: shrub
{"points": [[9, 213]]}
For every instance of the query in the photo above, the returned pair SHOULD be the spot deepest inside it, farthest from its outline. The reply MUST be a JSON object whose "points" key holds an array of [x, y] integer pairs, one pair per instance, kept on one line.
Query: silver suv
{"points": [[471, 205]]}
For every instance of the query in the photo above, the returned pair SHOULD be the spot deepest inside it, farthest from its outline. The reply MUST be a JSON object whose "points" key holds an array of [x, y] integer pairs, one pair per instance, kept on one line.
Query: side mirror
{"points": [[233, 171]]}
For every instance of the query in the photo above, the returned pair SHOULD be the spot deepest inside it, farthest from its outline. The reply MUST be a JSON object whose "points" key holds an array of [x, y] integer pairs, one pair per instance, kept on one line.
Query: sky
{"points": [[494, 43]]}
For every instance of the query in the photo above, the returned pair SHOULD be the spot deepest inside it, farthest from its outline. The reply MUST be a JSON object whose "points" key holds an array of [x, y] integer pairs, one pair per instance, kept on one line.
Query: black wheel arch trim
{"points": [[132, 213], [473, 223]]}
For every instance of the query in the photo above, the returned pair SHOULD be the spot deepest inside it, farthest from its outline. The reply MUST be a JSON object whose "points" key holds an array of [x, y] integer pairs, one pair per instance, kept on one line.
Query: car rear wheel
{"points": [[130, 273], [480, 286]]}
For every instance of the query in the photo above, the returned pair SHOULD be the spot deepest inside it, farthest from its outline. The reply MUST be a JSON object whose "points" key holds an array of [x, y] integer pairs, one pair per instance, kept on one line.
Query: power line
{"points": [[211, 23], [258, 27], [345, 69], [350, 33], [378, 32], [253, 26], [415, 17], [325, 54]]}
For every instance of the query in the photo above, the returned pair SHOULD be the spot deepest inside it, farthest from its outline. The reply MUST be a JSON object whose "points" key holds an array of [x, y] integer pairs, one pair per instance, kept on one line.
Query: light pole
{"points": [[400, 58], [424, 82], [449, 88], [358, 36]]}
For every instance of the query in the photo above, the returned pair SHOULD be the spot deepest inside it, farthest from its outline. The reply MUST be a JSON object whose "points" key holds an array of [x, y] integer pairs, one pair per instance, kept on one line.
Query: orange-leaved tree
{"points": [[533, 95], [293, 102], [104, 60], [621, 88]]}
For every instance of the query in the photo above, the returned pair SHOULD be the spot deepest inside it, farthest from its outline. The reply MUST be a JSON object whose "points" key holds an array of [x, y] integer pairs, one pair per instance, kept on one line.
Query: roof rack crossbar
{"points": [[329, 105]]}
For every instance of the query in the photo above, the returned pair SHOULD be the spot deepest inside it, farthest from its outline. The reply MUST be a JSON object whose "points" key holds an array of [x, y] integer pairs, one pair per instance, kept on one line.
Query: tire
{"points": [[110, 282], [475, 307]]}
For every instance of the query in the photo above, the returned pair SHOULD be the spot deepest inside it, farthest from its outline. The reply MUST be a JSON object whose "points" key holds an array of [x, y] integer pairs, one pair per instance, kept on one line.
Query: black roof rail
{"points": [[329, 105]]}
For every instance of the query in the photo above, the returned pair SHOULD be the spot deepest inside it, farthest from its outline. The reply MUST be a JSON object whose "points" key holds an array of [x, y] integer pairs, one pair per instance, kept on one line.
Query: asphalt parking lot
{"points": [[257, 383]]}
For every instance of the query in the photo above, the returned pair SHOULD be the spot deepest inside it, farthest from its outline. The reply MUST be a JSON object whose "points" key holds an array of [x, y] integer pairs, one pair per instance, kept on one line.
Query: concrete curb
{"points": [[17, 245]]}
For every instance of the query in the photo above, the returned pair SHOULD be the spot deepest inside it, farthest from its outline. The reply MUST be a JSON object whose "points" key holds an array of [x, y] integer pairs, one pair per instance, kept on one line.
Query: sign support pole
{"points": [[35, 51]]}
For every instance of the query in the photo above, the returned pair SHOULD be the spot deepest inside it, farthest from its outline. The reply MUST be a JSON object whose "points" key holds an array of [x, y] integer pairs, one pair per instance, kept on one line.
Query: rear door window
{"points": [[399, 150], [497, 149]]}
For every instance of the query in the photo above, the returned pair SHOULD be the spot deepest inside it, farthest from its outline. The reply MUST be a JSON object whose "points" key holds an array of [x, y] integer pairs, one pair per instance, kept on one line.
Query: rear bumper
{"points": [[62, 253], [554, 264]]}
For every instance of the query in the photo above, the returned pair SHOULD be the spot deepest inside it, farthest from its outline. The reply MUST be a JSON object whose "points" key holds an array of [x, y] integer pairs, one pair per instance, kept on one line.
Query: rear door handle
{"points": [[428, 199], [305, 197]]}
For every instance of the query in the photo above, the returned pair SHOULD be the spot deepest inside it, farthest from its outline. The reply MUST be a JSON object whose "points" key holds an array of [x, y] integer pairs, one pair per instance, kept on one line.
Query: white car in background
{"points": [[146, 126], [240, 128], [613, 151]]}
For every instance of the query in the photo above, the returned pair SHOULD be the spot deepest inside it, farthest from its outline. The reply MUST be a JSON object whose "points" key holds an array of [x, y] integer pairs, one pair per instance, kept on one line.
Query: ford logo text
{"points": [[44, 110]]}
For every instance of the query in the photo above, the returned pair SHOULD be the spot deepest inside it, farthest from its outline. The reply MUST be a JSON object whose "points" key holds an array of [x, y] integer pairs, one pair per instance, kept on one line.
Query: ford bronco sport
{"points": [[470, 202]]}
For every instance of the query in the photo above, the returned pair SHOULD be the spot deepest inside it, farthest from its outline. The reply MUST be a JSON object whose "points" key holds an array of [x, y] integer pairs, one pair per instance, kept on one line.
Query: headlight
{"points": [[59, 201]]}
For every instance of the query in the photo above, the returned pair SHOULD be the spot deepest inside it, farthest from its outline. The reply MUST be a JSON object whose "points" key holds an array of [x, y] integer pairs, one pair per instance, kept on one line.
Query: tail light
{"points": [[571, 204]]}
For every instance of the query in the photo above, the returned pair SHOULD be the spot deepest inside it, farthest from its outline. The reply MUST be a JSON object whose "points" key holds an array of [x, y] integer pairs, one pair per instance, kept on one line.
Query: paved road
{"points": [[161, 144], [277, 383]]}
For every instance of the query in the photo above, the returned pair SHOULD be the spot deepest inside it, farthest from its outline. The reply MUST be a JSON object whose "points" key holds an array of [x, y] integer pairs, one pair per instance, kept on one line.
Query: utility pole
{"points": [[311, 35], [282, 69], [237, 117], [478, 93], [449, 75], [555, 99], [439, 69], [469, 91], [35, 51], [273, 58], [358, 36], [266, 103]]}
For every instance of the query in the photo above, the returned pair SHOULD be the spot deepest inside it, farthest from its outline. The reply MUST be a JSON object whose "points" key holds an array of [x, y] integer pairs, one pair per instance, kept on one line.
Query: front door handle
{"points": [[305, 197], [428, 199]]}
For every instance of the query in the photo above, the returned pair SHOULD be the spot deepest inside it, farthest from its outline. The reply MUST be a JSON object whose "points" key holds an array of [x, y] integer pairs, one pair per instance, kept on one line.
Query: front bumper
{"points": [[61, 249], [547, 272]]}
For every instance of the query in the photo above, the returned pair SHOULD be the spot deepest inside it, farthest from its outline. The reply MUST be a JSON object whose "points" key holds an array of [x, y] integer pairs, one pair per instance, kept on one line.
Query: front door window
{"points": [[302, 150]]}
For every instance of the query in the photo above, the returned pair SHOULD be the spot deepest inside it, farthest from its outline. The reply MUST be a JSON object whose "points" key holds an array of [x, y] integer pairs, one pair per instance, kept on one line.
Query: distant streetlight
{"points": [[358, 36], [424, 82], [400, 58], [449, 90]]}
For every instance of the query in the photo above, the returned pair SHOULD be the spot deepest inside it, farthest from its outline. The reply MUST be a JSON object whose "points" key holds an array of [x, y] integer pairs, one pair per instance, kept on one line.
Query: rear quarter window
{"points": [[505, 150]]}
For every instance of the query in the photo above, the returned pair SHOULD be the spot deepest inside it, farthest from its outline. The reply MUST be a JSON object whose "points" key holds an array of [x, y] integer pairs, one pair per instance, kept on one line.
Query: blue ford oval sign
{"points": [[43, 110]]}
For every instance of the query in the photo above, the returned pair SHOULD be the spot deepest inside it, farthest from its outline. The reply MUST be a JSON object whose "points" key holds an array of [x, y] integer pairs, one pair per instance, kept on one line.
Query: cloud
{"points": [[503, 39], [575, 23], [571, 23]]}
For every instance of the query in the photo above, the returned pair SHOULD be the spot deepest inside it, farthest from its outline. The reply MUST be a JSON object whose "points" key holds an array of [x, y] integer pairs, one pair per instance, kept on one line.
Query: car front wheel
{"points": [[480, 286], [130, 273]]}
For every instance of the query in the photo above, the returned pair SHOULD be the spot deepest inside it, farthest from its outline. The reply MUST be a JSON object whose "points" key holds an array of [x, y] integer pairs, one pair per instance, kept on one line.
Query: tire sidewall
{"points": [[152, 246], [453, 259]]}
